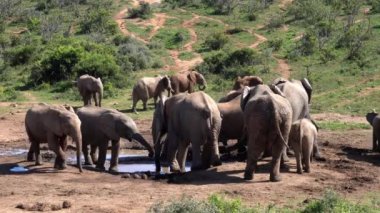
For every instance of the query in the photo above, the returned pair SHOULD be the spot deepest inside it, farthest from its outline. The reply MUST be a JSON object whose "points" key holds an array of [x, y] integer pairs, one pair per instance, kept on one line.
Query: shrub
{"points": [[275, 43], [144, 11], [234, 30], [97, 20], [215, 41], [136, 54], [251, 17], [275, 21], [19, 55], [185, 204], [97, 65], [8, 94]]}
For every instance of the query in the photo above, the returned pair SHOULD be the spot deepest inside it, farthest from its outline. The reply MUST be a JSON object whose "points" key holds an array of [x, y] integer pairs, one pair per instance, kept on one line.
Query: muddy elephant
{"points": [[52, 125], [187, 118], [303, 135], [267, 119], [90, 87], [232, 123], [99, 126], [374, 120], [148, 87], [298, 92], [249, 81], [185, 81]]}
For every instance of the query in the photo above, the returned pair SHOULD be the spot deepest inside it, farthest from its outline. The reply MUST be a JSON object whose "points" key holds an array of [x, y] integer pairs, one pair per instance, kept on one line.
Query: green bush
{"points": [[215, 41], [275, 43], [8, 94], [275, 21], [144, 11], [135, 56], [231, 65], [19, 55], [97, 65], [57, 64], [185, 204], [97, 20]]}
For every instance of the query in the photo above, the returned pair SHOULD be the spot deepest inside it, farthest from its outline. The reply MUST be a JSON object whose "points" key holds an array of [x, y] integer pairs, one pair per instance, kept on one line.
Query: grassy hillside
{"points": [[45, 44]]}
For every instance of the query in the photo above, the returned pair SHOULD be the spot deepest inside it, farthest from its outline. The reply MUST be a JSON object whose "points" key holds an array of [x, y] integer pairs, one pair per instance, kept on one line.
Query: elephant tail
{"points": [[277, 125]]}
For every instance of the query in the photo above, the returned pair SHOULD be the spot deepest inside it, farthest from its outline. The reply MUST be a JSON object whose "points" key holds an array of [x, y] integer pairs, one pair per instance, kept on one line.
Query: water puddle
{"points": [[18, 169], [12, 152]]}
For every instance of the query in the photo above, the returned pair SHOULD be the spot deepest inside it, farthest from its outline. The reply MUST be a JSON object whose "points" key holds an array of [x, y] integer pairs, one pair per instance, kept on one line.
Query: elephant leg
{"points": [[182, 154], [103, 145], [278, 149], [114, 156], [37, 154], [172, 152], [196, 163], [155, 101], [93, 153], [374, 141], [134, 103], [95, 99], [256, 146], [297, 152], [30, 156], [87, 159], [54, 144], [206, 156], [316, 152], [145, 107], [285, 157], [307, 150]]}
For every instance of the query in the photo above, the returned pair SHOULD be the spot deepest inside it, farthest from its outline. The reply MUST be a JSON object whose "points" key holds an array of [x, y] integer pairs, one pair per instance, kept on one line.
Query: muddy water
{"points": [[128, 163]]}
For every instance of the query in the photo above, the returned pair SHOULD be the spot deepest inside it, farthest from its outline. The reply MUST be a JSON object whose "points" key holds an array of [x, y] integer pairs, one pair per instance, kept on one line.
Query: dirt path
{"points": [[157, 22], [260, 39]]}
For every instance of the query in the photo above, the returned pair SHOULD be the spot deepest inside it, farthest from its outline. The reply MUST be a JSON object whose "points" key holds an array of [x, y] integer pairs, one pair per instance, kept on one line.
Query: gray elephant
{"points": [[232, 122], [50, 124], [302, 137], [147, 87], [99, 126], [268, 119], [185, 81], [187, 118], [90, 87], [374, 120], [299, 95]]}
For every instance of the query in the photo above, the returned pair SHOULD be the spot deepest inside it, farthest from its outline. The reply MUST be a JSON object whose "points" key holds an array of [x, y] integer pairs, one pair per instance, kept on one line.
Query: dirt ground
{"points": [[351, 169]]}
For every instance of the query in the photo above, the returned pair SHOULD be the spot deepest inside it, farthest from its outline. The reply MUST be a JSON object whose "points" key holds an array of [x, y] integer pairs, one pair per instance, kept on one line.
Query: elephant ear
{"points": [[276, 90], [108, 125], [308, 88], [244, 97], [165, 81], [191, 76]]}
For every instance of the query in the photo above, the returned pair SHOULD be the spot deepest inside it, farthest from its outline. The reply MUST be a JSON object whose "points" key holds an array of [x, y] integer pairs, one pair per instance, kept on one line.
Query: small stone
{"points": [[136, 176], [144, 177], [55, 207], [20, 206], [66, 204], [2, 118], [126, 176], [13, 105]]}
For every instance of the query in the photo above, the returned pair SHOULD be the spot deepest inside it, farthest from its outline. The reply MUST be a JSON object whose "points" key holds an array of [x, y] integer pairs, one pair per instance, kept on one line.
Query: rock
{"points": [[66, 204], [136, 176], [144, 177], [13, 105], [126, 176], [55, 207]]}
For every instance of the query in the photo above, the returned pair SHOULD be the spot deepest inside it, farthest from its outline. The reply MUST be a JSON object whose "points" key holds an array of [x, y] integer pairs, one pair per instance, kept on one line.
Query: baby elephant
{"points": [[303, 135]]}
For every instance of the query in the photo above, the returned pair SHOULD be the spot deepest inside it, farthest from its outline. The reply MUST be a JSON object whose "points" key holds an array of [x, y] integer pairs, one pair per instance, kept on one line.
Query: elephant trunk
{"points": [[78, 143], [139, 138]]}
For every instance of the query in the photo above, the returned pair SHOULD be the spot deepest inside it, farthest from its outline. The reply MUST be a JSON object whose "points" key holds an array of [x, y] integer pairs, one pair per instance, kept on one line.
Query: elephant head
{"points": [[159, 129], [164, 84], [250, 81], [250, 92], [370, 116], [197, 78]]}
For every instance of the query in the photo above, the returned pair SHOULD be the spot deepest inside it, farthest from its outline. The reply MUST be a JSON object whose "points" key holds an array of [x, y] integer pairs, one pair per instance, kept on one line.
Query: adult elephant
{"points": [[185, 81], [50, 124], [250, 81], [187, 118], [90, 87], [373, 119], [298, 93], [148, 87], [99, 126], [268, 119]]}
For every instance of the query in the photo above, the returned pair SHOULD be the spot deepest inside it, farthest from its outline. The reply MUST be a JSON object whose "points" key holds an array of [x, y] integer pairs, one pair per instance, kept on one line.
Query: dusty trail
{"points": [[260, 39]]}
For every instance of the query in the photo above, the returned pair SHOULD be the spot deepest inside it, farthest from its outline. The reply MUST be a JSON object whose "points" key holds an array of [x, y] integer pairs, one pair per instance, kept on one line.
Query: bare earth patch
{"points": [[351, 169]]}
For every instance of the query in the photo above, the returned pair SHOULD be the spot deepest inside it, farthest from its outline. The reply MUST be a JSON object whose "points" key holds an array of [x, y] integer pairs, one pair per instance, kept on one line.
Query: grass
{"points": [[342, 126], [330, 202], [186, 55], [172, 38]]}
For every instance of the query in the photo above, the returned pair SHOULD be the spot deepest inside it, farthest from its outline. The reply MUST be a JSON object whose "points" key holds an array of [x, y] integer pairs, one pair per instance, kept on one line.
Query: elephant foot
{"points": [[101, 168], [284, 167], [38, 164], [217, 163], [285, 158], [88, 163], [307, 170], [60, 166], [248, 175], [318, 157], [113, 169], [299, 171], [275, 178], [197, 168], [175, 169], [30, 157]]}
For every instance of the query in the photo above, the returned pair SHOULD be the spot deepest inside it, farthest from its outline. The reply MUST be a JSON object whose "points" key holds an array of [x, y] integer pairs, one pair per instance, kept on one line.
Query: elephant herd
{"points": [[264, 119]]}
